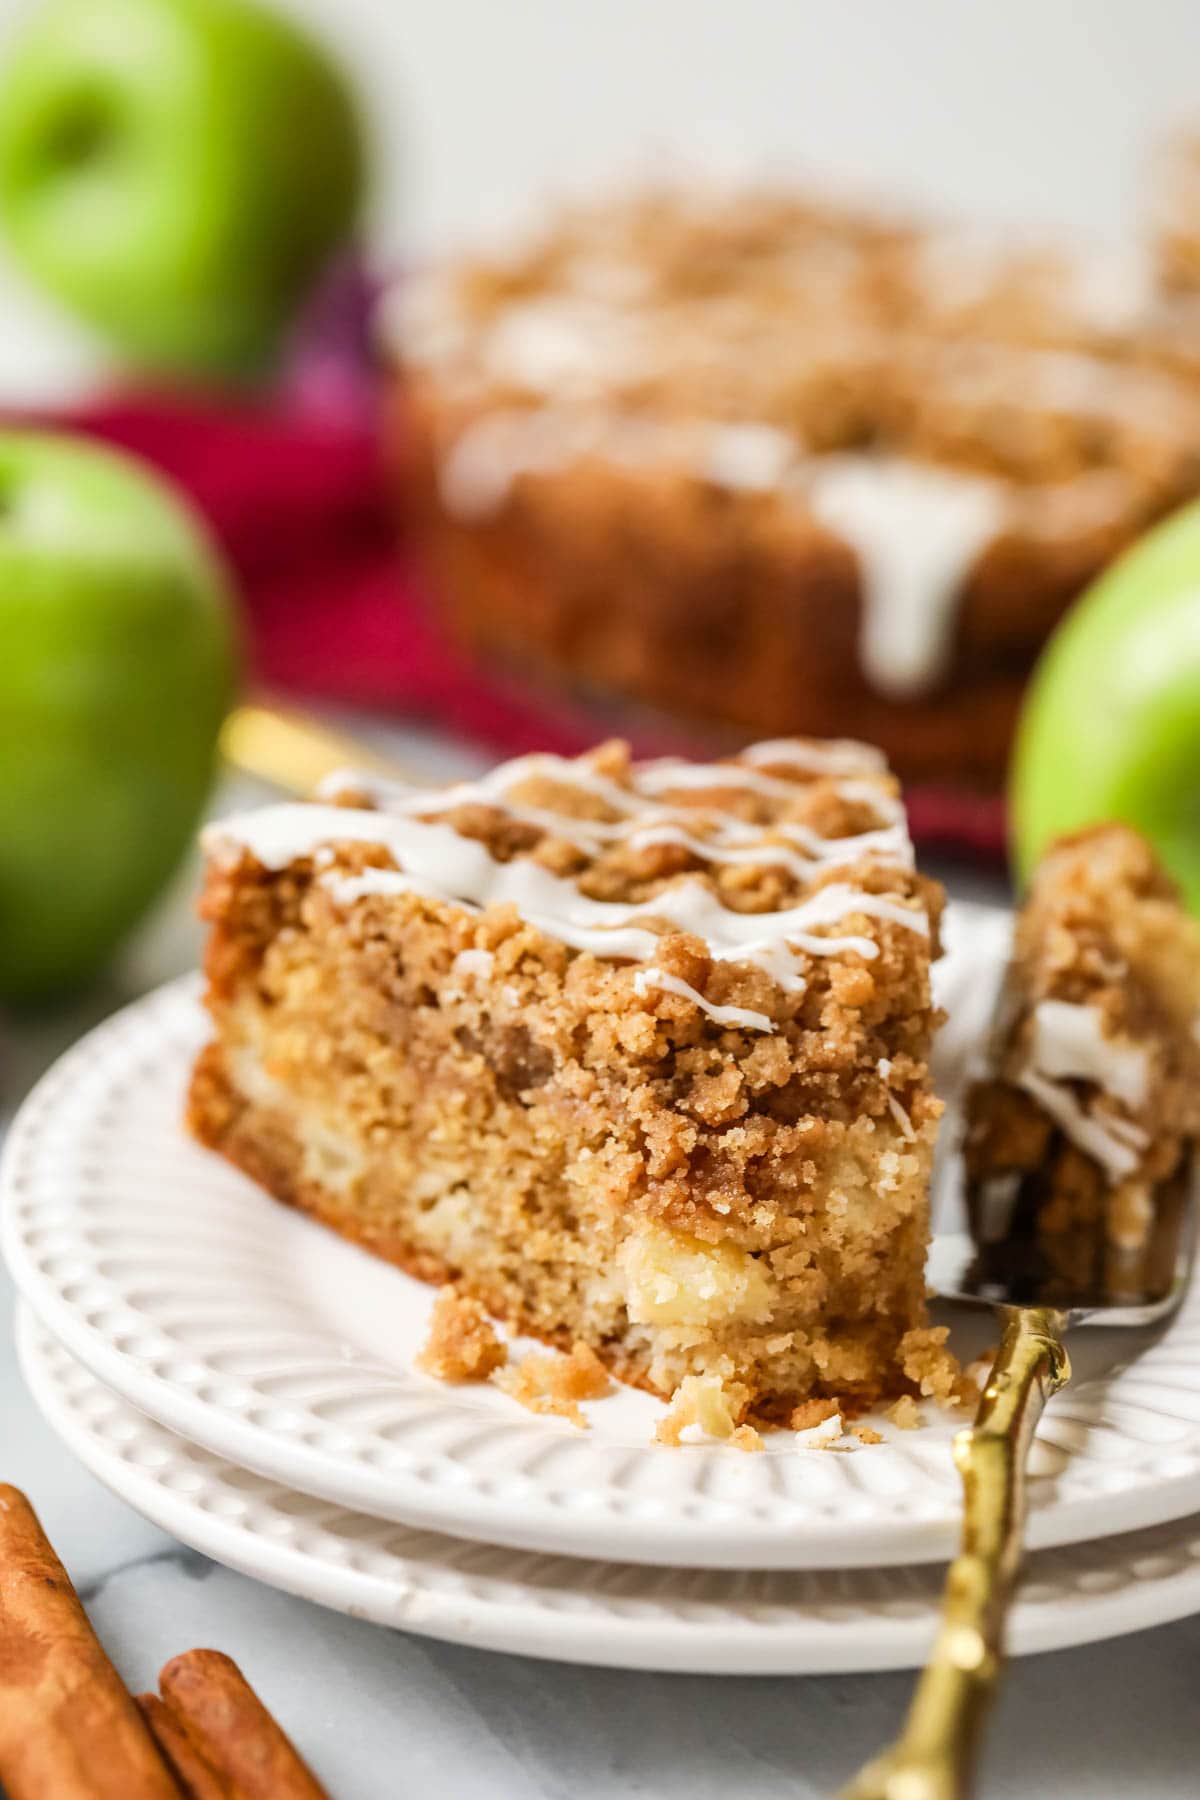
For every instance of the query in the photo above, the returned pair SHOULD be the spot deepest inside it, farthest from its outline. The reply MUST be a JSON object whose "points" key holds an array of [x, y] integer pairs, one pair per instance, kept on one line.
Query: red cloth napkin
{"points": [[335, 607]]}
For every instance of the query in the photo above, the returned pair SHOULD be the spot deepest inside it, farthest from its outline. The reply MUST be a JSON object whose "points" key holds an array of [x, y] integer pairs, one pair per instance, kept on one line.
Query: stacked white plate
{"points": [[246, 1381]]}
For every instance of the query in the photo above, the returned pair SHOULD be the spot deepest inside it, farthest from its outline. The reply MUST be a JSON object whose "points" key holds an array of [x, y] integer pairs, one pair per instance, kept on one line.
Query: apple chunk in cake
{"points": [[635, 1054]]}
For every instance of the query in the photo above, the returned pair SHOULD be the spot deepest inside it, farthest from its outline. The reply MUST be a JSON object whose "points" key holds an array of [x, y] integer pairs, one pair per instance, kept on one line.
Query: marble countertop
{"points": [[383, 1714]]}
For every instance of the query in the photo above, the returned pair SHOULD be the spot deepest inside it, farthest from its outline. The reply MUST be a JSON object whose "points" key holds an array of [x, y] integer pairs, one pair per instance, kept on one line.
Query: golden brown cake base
{"points": [[474, 1101]]}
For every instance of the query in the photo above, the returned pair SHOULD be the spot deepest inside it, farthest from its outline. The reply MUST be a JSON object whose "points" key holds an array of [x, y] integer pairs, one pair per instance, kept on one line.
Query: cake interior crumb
{"points": [[706, 1402], [905, 1414], [556, 1384], [462, 1343]]}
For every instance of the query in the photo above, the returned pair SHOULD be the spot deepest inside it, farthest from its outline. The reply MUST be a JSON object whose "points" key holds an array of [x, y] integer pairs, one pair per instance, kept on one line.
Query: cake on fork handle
{"points": [[635, 1054]]}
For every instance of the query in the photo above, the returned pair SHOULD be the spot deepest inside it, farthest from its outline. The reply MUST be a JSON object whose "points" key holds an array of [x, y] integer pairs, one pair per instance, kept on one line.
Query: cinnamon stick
{"points": [[192, 1770], [227, 1722], [68, 1729]]}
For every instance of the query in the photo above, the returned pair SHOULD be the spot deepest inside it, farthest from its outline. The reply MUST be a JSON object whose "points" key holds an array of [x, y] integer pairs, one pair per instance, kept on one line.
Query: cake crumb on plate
{"points": [[706, 1402], [813, 1412], [556, 1384], [824, 1436], [746, 1438], [462, 1343], [905, 1414]]}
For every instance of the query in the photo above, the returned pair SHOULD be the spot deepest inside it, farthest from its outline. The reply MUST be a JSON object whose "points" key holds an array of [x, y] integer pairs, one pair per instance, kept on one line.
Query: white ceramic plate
{"points": [[622, 1615], [268, 1341]]}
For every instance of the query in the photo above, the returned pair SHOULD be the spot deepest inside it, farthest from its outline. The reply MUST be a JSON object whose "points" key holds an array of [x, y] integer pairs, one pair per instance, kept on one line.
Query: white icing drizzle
{"points": [[1116, 1144], [750, 457], [477, 471], [744, 1016], [831, 756], [436, 861], [916, 529], [731, 840], [890, 805], [559, 343], [755, 856], [460, 870], [917, 532], [671, 775], [568, 772], [476, 474], [601, 317], [898, 1112], [1069, 1044], [890, 843], [760, 854], [901, 1117]]}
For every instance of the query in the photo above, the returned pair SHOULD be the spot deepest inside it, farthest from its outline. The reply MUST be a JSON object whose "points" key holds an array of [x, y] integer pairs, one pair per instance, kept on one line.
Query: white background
{"points": [[1039, 112], [1010, 109]]}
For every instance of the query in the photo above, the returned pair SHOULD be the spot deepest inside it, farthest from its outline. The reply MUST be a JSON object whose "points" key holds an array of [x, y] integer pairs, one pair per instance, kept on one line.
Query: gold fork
{"points": [[934, 1756]]}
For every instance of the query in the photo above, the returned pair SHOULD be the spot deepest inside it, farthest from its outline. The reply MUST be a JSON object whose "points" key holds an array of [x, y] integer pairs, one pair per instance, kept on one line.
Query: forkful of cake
{"points": [[1079, 1165]]}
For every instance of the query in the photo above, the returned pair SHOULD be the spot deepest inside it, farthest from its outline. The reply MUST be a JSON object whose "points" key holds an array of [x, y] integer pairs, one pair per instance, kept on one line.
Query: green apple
{"points": [[1111, 725], [177, 172], [117, 668]]}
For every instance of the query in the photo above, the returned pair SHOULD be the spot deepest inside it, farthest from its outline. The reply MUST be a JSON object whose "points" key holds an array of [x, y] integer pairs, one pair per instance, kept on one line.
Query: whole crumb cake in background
{"points": [[636, 1055], [770, 463], [1089, 1115]]}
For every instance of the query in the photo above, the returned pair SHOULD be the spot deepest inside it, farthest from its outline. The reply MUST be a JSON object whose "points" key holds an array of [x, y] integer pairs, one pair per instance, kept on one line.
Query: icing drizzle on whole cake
{"points": [[438, 862], [840, 362], [917, 532], [917, 529]]}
